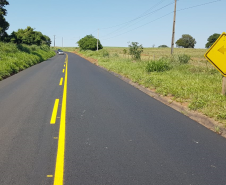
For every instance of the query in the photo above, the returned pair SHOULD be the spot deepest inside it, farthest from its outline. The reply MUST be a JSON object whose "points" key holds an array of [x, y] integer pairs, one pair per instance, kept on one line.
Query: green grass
{"points": [[196, 84], [15, 58]]}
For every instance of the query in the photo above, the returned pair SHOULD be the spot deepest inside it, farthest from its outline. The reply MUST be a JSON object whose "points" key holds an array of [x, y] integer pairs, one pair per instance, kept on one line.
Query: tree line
{"points": [[23, 36], [187, 41]]}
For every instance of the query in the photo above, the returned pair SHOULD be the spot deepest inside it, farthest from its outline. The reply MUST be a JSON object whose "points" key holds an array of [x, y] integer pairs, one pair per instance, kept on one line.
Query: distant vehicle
{"points": [[60, 52]]}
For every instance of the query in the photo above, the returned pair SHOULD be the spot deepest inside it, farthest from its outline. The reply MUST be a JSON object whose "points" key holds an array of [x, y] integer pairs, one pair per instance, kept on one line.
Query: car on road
{"points": [[60, 52]]}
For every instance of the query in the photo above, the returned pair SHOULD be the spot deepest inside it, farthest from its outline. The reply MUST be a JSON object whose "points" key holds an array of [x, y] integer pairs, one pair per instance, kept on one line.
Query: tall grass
{"points": [[190, 79], [14, 58]]}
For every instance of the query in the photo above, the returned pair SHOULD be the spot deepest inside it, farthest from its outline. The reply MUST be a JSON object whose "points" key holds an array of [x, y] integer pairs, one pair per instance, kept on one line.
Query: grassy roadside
{"points": [[196, 84], [15, 58]]}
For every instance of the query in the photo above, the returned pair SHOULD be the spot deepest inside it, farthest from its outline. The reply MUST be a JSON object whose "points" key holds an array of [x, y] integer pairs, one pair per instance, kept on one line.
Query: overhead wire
{"points": [[143, 14], [165, 16], [144, 17]]}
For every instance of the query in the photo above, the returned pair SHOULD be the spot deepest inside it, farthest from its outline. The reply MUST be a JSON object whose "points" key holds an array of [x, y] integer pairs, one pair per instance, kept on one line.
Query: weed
{"points": [[183, 58], [115, 55], [158, 65], [197, 104], [217, 130], [105, 53]]}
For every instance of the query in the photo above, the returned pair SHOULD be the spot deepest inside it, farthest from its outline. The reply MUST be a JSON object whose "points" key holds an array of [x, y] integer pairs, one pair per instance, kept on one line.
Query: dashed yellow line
{"points": [[61, 81], [59, 170], [54, 113], [63, 71]]}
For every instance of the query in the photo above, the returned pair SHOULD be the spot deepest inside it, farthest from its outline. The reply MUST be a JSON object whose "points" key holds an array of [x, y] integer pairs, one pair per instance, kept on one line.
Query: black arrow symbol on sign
{"points": [[222, 50]]}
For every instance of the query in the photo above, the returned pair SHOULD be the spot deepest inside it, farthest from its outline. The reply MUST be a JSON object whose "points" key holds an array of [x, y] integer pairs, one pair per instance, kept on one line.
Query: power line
{"points": [[164, 16], [198, 5], [143, 14], [141, 25], [137, 18]]}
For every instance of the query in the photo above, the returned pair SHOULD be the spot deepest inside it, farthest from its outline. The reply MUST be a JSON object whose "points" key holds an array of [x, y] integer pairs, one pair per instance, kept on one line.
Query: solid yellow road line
{"points": [[54, 113], [61, 81], [59, 170], [63, 71]]}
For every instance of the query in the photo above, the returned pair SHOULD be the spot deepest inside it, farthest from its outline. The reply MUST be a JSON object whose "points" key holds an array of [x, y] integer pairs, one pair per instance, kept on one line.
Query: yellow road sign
{"points": [[216, 55]]}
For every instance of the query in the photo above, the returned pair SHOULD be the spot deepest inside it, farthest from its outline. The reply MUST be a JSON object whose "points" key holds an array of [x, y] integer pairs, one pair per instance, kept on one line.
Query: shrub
{"points": [[163, 46], [183, 58], [135, 50], [89, 43], [105, 53], [15, 58], [158, 65]]}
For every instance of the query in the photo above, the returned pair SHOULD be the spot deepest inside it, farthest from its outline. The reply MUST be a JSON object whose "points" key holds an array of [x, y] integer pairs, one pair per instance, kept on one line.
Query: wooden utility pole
{"points": [[224, 85], [54, 40], [174, 21], [97, 39]]}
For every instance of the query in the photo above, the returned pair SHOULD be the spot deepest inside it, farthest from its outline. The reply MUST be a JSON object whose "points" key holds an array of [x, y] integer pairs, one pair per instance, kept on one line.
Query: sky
{"points": [[120, 22]]}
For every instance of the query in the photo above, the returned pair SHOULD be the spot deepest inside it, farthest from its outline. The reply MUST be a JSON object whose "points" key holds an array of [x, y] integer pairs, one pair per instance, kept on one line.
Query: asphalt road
{"points": [[115, 134]]}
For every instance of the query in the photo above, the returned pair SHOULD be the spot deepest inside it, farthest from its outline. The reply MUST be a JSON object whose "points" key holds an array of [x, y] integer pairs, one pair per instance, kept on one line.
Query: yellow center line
{"points": [[54, 113], [63, 71], [61, 81], [59, 170]]}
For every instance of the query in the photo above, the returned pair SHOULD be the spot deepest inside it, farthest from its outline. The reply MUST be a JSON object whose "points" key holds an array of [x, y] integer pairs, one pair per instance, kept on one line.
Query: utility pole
{"points": [[54, 40], [174, 21], [97, 39]]}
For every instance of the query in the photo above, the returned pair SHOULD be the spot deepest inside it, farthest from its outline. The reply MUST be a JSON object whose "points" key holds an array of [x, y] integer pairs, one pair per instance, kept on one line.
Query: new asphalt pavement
{"points": [[115, 134]]}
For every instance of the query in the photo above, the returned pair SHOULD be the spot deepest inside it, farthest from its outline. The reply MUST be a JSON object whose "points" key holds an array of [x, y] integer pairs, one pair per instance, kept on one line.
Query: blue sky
{"points": [[73, 19]]}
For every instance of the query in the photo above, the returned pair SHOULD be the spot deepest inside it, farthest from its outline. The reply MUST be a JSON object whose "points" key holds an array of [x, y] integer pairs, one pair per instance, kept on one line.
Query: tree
{"points": [[89, 42], [4, 25], [135, 50], [163, 46], [29, 36], [212, 39], [187, 41]]}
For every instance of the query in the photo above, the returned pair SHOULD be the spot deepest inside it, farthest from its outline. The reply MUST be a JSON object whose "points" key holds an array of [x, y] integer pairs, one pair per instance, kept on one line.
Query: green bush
{"points": [[135, 50], [89, 43], [158, 65], [15, 58], [105, 53], [183, 58]]}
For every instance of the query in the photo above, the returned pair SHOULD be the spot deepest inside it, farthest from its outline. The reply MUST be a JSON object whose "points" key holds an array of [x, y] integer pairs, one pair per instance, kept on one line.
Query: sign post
{"points": [[216, 55], [224, 85]]}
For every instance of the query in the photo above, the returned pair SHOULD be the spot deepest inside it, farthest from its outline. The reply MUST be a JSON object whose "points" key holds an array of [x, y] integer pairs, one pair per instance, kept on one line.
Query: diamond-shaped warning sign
{"points": [[216, 55]]}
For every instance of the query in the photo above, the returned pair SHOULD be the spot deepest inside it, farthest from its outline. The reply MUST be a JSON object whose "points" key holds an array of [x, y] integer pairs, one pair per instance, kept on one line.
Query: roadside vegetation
{"points": [[21, 49], [15, 58], [186, 77]]}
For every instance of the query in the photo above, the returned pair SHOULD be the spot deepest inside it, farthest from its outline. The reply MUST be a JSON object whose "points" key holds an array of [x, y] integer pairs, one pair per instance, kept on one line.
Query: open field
{"points": [[14, 58], [196, 84]]}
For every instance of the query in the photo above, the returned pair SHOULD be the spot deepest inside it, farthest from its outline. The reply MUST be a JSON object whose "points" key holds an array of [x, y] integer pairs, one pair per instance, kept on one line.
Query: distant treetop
{"points": [[186, 41], [163, 46], [212, 39], [89, 42]]}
